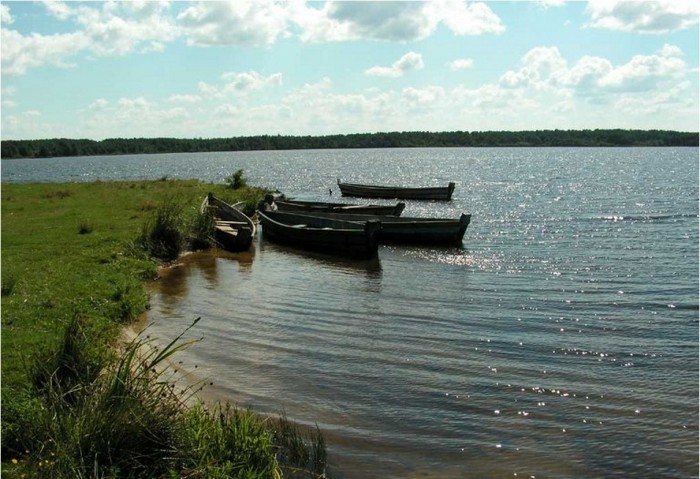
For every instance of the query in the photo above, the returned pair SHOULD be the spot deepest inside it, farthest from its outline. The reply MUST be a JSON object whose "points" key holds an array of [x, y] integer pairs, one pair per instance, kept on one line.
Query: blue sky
{"points": [[220, 69]]}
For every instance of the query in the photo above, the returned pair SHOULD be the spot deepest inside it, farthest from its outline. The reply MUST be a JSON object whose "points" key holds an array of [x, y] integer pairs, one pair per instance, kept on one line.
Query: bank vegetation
{"points": [[76, 401]]}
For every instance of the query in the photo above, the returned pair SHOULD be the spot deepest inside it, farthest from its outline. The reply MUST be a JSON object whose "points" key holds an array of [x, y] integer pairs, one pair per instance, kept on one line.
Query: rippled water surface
{"points": [[560, 340]]}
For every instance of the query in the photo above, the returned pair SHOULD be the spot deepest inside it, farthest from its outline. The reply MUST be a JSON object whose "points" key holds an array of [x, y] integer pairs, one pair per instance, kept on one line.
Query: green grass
{"points": [[73, 272]]}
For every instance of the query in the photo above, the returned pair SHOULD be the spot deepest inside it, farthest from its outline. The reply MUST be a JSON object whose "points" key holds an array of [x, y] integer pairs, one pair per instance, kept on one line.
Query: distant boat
{"points": [[328, 235], [234, 230], [315, 206], [399, 192], [408, 230]]}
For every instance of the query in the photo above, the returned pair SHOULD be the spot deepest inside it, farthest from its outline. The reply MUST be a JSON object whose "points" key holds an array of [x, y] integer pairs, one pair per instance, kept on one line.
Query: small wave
{"points": [[645, 217]]}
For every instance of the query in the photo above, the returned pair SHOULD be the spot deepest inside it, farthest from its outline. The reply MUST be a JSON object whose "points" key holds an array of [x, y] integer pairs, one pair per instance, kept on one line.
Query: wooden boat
{"points": [[315, 206], [408, 230], [234, 230], [400, 192], [328, 235]]}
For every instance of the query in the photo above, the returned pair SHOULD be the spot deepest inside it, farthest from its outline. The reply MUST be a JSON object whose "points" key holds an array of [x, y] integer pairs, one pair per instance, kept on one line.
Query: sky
{"points": [[124, 69]]}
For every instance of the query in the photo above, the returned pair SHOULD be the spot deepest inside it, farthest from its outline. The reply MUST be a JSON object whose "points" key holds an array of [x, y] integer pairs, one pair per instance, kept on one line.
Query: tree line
{"points": [[59, 147]]}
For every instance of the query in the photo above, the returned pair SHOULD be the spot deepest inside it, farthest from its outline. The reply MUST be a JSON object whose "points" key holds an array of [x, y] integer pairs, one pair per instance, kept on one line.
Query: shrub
{"points": [[162, 236], [236, 180]]}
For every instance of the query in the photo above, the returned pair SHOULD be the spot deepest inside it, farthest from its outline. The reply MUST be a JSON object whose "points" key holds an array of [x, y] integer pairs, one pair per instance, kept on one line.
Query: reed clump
{"points": [[102, 414]]}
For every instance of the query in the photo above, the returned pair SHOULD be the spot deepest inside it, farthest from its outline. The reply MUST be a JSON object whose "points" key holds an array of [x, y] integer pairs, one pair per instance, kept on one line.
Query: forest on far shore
{"points": [[59, 147]]}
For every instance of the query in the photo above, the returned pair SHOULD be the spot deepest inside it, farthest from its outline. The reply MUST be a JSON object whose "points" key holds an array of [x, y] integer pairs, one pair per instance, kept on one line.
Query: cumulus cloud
{"points": [[5, 16], [461, 64], [392, 21], [239, 84], [185, 99], [20, 52], [467, 18], [650, 16], [545, 4], [410, 61], [240, 22], [112, 28]]}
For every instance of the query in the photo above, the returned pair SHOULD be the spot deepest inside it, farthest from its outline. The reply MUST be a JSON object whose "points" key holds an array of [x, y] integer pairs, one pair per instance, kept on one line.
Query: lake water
{"points": [[560, 340]]}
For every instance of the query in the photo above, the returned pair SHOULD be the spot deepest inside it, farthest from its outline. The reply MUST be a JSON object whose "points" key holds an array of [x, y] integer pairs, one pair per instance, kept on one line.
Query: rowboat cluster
{"points": [[353, 230]]}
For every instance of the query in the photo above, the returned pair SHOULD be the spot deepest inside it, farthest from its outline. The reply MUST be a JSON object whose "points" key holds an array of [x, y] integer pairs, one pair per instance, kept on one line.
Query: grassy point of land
{"points": [[73, 275]]}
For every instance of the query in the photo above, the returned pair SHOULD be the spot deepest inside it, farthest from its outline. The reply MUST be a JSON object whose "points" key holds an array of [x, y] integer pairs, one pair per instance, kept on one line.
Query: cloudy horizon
{"points": [[220, 69]]}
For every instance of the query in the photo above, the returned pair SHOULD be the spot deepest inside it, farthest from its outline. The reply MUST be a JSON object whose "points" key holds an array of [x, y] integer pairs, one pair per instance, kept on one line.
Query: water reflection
{"points": [[173, 282], [371, 268]]}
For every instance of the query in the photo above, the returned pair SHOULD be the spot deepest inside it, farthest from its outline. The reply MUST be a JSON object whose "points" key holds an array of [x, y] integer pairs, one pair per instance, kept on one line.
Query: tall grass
{"points": [[163, 234], [201, 230], [118, 416]]}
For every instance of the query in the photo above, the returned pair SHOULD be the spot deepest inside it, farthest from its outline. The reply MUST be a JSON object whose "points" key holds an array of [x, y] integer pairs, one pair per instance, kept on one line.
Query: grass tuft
{"points": [[8, 284], [162, 236], [85, 228]]}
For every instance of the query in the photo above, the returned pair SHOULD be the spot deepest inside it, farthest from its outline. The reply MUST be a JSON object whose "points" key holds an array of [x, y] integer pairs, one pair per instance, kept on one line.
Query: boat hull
{"points": [[327, 235], [234, 230], [397, 192], [410, 230], [311, 207]]}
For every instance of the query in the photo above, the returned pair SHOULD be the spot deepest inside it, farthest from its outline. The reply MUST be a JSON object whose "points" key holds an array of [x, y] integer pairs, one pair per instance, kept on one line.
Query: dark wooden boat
{"points": [[408, 230], [399, 192], [316, 206], [234, 230], [358, 239]]}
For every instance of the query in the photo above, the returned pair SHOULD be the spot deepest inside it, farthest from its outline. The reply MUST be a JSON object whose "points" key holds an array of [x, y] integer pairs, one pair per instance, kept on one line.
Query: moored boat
{"points": [[398, 192], [328, 235], [320, 206], [413, 230], [234, 230]]}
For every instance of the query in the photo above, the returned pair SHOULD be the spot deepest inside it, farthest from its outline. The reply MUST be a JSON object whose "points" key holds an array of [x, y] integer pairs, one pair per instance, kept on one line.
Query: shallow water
{"points": [[560, 340]]}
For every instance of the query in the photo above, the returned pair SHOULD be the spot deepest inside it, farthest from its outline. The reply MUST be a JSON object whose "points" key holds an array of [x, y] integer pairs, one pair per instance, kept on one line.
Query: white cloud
{"points": [[410, 61], [245, 82], [116, 28], [185, 99], [5, 16], [58, 9], [423, 96], [545, 69], [21, 52], [119, 28], [6, 94], [467, 18], [649, 16], [98, 105], [240, 22], [392, 21], [239, 84], [545, 4], [461, 64]]}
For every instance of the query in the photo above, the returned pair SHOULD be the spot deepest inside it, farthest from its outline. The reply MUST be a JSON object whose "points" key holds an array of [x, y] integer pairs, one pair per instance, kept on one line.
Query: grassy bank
{"points": [[73, 274]]}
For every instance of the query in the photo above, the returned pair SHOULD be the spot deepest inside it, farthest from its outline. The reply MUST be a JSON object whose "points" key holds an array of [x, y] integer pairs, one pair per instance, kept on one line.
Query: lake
{"points": [[560, 340]]}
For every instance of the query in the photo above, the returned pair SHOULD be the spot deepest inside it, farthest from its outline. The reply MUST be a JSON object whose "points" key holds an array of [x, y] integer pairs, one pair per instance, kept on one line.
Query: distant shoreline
{"points": [[66, 147]]}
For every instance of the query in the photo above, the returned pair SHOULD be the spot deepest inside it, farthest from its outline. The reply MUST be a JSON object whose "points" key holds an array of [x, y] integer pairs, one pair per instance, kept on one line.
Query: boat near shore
{"points": [[358, 239], [413, 230], [397, 192], [234, 230], [339, 208]]}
